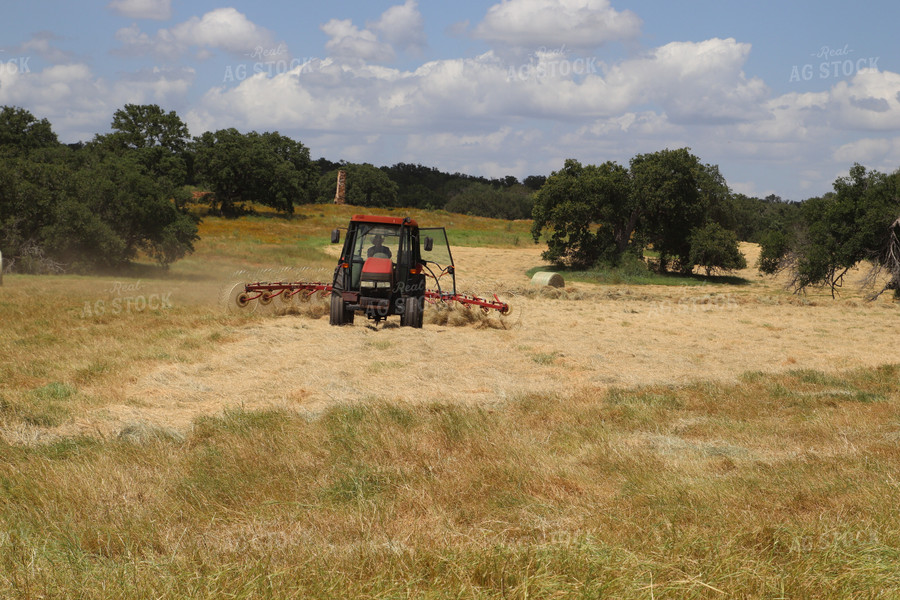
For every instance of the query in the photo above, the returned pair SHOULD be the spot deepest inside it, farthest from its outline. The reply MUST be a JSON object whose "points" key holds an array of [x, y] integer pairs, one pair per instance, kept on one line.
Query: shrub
{"points": [[713, 247]]}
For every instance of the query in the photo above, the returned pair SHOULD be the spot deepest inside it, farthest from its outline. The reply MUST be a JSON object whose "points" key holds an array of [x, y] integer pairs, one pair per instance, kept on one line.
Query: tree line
{"points": [[667, 201], [825, 237], [86, 207], [98, 204], [671, 204]]}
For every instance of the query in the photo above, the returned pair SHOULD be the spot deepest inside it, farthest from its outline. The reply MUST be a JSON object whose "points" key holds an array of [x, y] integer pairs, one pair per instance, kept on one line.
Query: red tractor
{"points": [[386, 267], [381, 271]]}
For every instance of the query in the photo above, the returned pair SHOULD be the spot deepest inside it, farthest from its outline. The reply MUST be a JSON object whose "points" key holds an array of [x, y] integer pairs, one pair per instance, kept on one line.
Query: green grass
{"points": [[692, 491], [266, 239], [308, 230], [637, 276]]}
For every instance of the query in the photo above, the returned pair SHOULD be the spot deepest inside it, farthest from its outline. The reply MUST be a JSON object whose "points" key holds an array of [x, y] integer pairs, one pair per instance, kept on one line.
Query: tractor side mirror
{"points": [[335, 236], [429, 244]]}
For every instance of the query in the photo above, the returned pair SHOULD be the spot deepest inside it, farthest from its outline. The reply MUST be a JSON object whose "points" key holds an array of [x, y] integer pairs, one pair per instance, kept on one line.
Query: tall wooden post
{"points": [[340, 194]]}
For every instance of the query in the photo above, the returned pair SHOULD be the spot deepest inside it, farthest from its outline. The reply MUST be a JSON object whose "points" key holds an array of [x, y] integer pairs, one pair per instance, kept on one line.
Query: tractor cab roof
{"points": [[383, 220]]}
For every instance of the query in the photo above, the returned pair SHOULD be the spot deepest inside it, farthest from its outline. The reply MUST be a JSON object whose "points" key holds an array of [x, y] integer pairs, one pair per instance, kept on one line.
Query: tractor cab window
{"points": [[380, 241]]}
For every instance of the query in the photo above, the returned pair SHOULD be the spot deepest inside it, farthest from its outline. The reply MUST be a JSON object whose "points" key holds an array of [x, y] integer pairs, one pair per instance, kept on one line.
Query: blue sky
{"points": [[783, 96]]}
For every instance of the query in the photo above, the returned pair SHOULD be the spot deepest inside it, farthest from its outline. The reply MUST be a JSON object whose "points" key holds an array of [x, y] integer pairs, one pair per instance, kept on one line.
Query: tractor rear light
{"points": [[416, 270], [345, 265]]}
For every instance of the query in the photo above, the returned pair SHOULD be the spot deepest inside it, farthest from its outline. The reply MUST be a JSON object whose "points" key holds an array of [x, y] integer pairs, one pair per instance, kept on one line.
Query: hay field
{"points": [[627, 441], [584, 339]]}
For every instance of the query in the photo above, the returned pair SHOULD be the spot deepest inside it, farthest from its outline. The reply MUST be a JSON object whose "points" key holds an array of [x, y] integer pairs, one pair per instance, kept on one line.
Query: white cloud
{"points": [[643, 124], [42, 44], [47, 89], [134, 41], [69, 96], [348, 41], [866, 150], [153, 86], [795, 117], [79, 104], [323, 98], [143, 9], [819, 127], [223, 29], [402, 26], [575, 23], [870, 101], [694, 82], [882, 154], [685, 81]]}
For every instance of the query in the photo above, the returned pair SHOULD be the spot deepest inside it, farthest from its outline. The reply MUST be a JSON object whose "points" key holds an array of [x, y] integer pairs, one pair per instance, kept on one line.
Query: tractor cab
{"points": [[380, 271]]}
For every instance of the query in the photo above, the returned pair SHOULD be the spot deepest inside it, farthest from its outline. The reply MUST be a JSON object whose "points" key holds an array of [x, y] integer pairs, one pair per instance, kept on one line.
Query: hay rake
{"points": [[265, 292], [388, 266]]}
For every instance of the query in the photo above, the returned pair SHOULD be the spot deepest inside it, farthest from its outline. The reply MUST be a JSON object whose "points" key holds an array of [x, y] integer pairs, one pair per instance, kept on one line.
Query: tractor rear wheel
{"points": [[413, 314], [339, 314], [337, 310]]}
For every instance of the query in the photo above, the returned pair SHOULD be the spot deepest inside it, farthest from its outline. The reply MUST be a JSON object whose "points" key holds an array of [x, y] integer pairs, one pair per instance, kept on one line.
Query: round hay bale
{"points": [[546, 278]]}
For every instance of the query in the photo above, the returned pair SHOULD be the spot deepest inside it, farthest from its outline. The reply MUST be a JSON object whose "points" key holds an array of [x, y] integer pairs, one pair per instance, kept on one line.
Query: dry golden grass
{"points": [[582, 339], [603, 441], [779, 486]]}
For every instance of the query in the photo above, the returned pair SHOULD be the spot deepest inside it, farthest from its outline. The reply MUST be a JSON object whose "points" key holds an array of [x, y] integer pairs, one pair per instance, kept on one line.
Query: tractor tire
{"points": [[413, 315], [339, 315], [337, 310]]}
